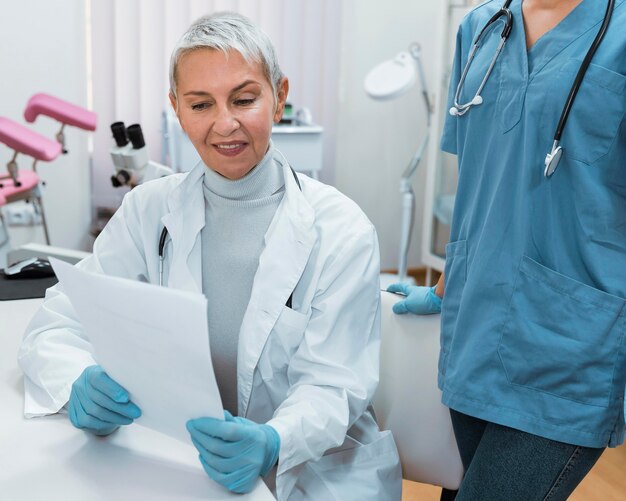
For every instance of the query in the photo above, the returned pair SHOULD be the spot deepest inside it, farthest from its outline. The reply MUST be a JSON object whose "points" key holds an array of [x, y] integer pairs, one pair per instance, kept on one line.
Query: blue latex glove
{"points": [[236, 451], [419, 300], [98, 404]]}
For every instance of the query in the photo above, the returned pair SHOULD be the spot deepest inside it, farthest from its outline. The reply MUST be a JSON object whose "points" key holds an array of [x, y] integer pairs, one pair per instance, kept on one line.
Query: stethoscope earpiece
{"points": [[456, 111]]}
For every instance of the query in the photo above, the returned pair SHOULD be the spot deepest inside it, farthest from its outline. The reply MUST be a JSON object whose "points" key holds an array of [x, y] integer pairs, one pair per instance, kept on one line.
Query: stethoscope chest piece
{"points": [[552, 160]]}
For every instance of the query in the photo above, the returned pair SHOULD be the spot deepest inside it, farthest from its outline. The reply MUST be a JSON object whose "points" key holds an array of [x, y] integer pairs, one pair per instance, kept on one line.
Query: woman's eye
{"points": [[199, 106], [244, 102]]}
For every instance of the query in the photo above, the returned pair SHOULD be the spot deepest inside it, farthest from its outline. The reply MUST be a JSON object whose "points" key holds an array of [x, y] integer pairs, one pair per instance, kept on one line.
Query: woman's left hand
{"points": [[419, 300], [236, 451]]}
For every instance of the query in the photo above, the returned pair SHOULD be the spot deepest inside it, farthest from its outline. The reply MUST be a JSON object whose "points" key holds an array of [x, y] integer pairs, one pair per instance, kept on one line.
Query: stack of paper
{"points": [[153, 341]]}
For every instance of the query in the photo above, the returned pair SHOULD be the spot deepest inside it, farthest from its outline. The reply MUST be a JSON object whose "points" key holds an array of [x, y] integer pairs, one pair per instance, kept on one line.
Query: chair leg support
{"points": [[3, 227], [43, 220]]}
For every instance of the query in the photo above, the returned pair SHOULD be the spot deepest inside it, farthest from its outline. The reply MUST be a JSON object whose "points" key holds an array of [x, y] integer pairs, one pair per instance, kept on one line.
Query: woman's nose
{"points": [[225, 122]]}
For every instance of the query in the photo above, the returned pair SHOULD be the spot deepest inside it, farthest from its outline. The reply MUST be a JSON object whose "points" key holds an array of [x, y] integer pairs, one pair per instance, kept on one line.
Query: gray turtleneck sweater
{"points": [[237, 214]]}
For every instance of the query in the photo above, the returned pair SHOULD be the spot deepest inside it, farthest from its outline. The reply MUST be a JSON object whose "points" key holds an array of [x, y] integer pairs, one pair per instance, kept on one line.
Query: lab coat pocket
{"points": [[282, 342], [455, 272], [596, 114], [561, 336], [353, 452], [356, 471]]}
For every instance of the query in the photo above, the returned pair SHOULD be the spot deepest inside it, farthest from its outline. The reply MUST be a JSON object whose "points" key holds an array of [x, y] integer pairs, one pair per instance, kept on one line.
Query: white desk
{"points": [[48, 459], [301, 145]]}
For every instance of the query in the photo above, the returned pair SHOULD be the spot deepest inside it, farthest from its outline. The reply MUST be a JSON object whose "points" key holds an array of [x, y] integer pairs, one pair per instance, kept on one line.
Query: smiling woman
{"points": [[226, 106], [289, 267]]}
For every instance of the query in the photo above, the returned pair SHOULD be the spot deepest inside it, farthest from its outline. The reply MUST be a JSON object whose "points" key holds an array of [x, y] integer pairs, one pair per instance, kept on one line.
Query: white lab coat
{"points": [[310, 371]]}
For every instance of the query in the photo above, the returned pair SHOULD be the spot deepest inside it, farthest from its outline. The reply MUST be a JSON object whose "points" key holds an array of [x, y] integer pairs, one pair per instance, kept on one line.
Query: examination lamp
{"points": [[387, 81]]}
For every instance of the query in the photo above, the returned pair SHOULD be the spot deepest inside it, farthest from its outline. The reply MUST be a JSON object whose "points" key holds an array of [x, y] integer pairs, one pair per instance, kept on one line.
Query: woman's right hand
{"points": [[98, 404]]}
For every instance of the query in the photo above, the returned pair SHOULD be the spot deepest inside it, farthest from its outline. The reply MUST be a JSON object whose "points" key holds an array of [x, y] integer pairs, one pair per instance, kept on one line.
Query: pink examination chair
{"points": [[62, 111], [21, 184]]}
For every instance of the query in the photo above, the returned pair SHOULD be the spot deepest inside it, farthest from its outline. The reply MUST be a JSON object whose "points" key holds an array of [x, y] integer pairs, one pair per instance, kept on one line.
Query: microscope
{"points": [[130, 157]]}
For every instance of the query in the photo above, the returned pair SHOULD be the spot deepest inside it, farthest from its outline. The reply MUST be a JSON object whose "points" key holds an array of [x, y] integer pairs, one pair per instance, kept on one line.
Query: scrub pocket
{"points": [[455, 275], [596, 114], [561, 336], [282, 342]]}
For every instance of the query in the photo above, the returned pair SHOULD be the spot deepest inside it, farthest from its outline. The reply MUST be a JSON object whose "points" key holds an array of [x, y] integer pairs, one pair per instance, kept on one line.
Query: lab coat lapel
{"points": [[184, 222], [288, 244]]}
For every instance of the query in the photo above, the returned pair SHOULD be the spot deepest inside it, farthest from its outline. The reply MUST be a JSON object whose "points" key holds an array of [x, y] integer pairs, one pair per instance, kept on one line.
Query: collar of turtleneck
{"points": [[264, 180]]}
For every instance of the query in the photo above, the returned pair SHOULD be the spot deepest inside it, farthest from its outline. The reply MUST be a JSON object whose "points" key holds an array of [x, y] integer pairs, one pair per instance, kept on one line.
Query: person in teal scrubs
{"points": [[533, 334]]}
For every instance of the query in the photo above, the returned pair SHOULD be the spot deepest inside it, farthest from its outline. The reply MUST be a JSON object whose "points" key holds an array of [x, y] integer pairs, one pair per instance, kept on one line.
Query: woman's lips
{"points": [[230, 149]]}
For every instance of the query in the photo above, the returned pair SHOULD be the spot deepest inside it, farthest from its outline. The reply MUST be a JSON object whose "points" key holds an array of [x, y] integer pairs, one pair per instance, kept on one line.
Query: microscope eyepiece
{"points": [[119, 133], [136, 136]]}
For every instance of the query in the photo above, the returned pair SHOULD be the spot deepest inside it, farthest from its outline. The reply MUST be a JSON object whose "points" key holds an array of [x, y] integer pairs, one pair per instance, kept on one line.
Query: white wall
{"points": [[42, 49], [132, 43], [376, 140]]}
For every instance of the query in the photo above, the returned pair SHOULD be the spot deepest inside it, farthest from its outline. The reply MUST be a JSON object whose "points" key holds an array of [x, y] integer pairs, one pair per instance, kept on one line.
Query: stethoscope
{"points": [[552, 159], [164, 234]]}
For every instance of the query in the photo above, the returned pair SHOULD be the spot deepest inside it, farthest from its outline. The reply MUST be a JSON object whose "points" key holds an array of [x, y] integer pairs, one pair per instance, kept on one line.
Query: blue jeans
{"points": [[506, 464]]}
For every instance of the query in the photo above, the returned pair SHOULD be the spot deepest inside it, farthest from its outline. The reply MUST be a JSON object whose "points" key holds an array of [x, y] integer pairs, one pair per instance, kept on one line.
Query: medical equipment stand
{"points": [[408, 219], [386, 81]]}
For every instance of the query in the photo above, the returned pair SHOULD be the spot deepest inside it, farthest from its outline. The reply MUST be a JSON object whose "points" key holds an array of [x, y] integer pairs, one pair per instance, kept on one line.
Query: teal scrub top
{"points": [[534, 317]]}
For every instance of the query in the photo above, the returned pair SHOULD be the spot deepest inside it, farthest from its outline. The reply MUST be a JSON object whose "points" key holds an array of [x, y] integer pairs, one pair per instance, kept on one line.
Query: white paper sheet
{"points": [[153, 341]]}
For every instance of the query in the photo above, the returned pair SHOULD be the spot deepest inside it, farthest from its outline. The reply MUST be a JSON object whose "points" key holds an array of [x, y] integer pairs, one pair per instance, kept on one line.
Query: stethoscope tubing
{"points": [[461, 109], [162, 239], [552, 159], [582, 70]]}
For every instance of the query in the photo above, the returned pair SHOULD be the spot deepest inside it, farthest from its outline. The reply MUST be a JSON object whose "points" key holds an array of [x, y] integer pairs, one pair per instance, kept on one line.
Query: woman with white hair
{"points": [[290, 270]]}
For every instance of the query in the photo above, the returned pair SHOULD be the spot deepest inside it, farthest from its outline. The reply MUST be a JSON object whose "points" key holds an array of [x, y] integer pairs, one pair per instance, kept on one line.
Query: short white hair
{"points": [[228, 31]]}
